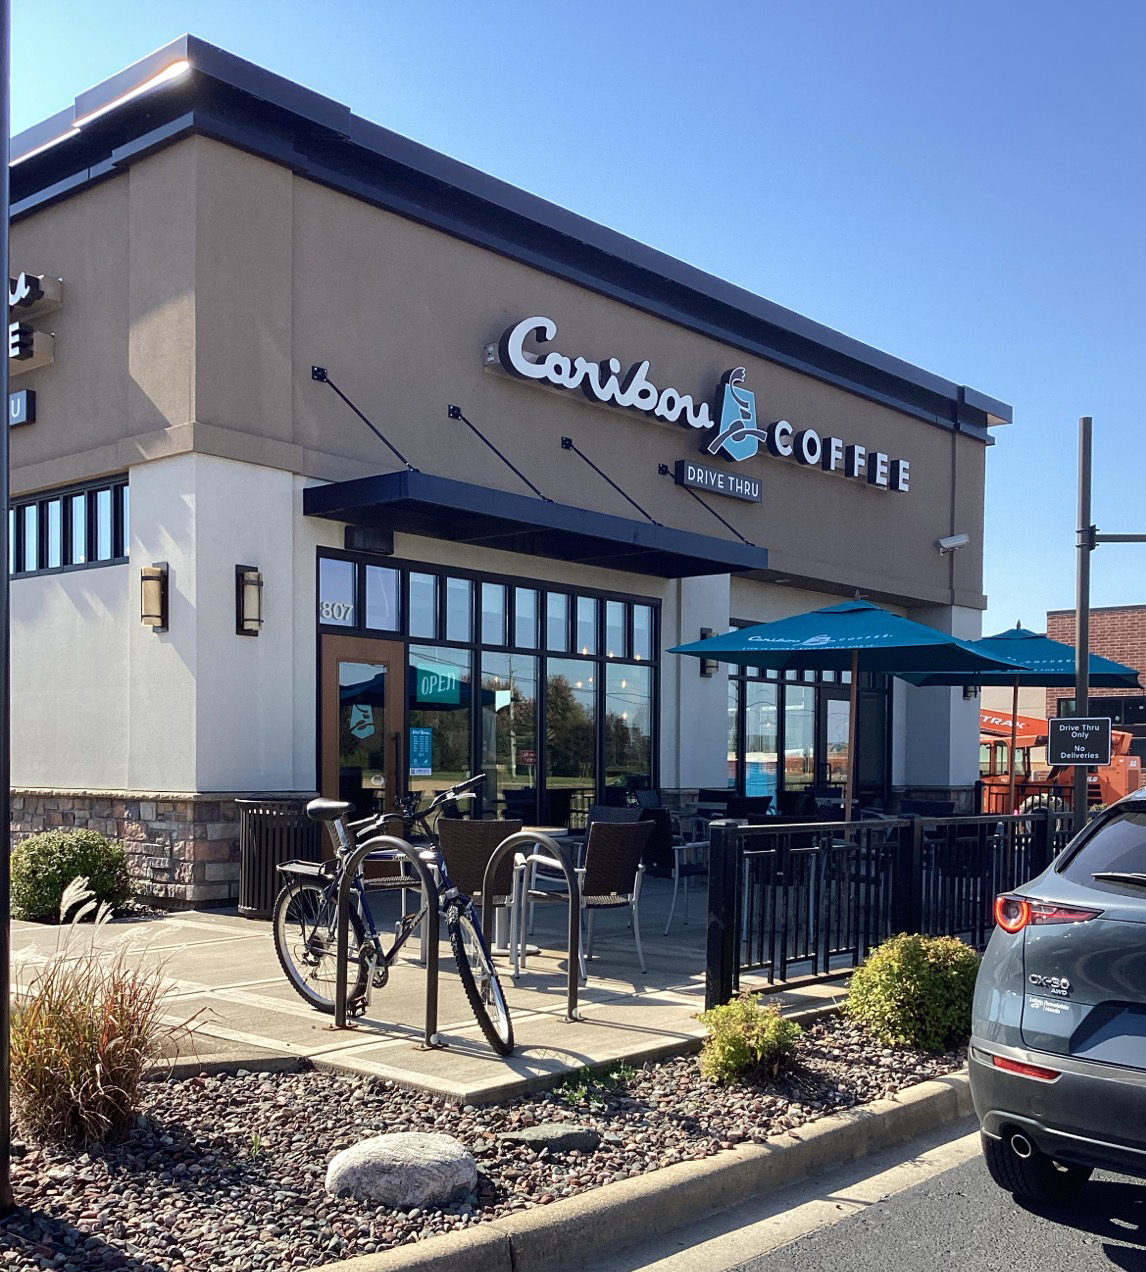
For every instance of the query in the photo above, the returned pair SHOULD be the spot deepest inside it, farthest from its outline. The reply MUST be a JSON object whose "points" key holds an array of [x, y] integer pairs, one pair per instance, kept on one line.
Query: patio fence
{"points": [[811, 900]]}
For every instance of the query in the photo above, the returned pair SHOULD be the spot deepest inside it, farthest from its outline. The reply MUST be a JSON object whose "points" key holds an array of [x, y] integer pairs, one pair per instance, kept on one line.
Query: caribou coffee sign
{"points": [[30, 296], [729, 430]]}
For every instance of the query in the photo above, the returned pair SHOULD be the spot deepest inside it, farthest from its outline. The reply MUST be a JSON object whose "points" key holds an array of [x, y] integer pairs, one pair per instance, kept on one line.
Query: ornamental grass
{"points": [[84, 1033]]}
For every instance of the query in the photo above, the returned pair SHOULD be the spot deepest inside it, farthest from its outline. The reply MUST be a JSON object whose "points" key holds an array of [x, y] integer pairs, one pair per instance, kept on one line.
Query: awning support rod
{"points": [[456, 414], [567, 444], [666, 471], [320, 374]]}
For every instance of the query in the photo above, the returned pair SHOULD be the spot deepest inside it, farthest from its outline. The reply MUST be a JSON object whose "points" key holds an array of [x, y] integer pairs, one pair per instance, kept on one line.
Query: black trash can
{"points": [[271, 831]]}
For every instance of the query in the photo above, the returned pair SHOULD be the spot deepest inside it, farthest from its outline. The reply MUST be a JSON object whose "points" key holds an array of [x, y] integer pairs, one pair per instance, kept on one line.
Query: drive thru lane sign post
{"points": [[1085, 743]]}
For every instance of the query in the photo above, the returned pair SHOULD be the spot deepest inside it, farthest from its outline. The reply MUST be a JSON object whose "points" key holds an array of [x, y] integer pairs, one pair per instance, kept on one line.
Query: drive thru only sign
{"points": [[1084, 742]]}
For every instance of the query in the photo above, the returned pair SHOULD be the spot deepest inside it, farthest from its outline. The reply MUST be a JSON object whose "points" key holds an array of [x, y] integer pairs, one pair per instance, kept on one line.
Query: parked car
{"points": [[1058, 1036]]}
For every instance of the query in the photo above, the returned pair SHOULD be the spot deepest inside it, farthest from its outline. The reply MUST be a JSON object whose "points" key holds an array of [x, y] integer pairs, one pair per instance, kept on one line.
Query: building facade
{"points": [[340, 466]]}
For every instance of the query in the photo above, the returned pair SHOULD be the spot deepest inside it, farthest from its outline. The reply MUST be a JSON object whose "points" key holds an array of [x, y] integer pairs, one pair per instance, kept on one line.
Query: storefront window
{"points": [[80, 529], [628, 727], [799, 738], [459, 609], [586, 625], [336, 592], [525, 618], [642, 632], [733, 731], [382, 598], [571, 729], [509, 731], [761, 737], [441, 714], [557, 622], [31, 537], [493, 615], [615, 629], [55, 510], [103, 525], [423, 605]]}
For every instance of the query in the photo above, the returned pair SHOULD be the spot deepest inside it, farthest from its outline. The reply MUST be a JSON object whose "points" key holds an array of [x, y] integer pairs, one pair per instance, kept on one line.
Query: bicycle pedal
{"points": [[356, 1007]]}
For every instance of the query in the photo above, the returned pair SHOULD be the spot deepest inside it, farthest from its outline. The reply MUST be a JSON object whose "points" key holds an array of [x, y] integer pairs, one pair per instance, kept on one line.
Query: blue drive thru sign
{"points": [[1084, 742]]}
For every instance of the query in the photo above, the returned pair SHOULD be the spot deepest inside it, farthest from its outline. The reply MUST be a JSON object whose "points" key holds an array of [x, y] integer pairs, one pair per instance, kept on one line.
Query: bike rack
{"points": [[352, 862], [562, 858]]}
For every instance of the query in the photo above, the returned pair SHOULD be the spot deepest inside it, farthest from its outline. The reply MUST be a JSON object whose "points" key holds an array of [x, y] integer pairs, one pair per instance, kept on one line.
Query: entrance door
{"points": [[835, 719], [362, 700]]}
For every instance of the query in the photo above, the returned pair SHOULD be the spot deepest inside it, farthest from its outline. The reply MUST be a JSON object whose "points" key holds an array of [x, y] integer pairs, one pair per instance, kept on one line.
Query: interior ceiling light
{"points": [[172, 72]]}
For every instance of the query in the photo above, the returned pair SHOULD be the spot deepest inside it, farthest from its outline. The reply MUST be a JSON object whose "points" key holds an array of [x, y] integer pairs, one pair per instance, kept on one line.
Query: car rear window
{"points": [[1118, 846]]}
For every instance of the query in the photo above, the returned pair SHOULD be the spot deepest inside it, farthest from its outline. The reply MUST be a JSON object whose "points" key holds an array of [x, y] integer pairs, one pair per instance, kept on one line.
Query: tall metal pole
{"points": [[1086, 543], [6, 1200]]}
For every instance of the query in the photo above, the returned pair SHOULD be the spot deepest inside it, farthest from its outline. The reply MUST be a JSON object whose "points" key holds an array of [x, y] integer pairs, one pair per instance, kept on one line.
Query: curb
{"points": [[566, 1234]]}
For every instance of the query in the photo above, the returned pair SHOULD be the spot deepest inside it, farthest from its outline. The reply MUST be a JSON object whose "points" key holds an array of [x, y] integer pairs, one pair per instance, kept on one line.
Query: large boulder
{"points": [[404, 1170]]}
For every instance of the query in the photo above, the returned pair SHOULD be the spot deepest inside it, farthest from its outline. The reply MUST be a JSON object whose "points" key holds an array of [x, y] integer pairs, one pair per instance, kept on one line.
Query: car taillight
{"points": [[1013, 914], [1027, 1070]]}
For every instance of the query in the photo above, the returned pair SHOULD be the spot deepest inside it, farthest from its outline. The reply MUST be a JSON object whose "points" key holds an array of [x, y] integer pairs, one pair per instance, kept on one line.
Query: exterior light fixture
{"points": [[153, 596], [708, 666], [248, 600]]}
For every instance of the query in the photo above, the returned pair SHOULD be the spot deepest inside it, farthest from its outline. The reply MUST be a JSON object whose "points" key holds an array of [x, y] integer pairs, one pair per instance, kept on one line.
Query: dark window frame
{"points": [[117, 486]]}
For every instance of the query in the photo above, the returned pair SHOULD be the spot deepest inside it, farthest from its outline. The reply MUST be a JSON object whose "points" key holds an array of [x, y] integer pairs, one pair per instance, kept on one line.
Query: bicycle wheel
{"points": [[479, 980], [306, 941]]}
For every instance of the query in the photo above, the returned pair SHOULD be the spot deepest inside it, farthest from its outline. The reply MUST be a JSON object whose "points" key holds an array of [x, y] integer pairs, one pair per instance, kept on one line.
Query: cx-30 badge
{"points": [[1054, 984]]}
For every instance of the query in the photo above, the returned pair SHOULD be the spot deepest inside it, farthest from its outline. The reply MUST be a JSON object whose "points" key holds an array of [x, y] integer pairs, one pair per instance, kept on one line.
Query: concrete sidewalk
{"points": [[226, 980]]}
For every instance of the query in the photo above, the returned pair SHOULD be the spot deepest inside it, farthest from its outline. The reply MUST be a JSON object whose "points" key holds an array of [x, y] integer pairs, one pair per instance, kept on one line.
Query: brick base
{"points": [[182, 850]]}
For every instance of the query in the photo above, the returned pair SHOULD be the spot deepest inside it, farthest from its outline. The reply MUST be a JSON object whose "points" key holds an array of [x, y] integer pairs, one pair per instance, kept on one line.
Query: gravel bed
{"points": [[227, 1172]]}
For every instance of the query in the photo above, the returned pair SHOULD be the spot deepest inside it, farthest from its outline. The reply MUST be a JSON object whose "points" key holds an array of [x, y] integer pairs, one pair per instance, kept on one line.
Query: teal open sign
{"points": [[438, 684]]}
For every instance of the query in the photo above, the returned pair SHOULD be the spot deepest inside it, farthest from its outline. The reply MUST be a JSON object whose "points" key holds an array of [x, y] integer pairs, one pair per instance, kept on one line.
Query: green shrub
{"points": [[916, 991], [85, 1028], [44, 865], [745, 1036]]}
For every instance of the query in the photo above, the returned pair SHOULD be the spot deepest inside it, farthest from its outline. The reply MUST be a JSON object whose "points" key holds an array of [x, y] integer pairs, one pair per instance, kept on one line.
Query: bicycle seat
{"points": [[326, 810]]}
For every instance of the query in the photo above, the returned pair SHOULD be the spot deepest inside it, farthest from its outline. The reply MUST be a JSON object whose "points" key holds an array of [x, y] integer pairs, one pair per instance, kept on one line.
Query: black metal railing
{"points": [[813, 900]]}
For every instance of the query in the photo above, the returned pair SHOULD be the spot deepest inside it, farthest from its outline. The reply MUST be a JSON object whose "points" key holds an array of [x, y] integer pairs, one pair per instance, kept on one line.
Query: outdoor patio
{"points": [[226, 980]]}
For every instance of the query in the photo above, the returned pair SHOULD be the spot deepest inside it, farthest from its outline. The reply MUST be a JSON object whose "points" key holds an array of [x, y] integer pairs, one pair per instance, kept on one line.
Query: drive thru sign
{"points": [[1084, 742]]}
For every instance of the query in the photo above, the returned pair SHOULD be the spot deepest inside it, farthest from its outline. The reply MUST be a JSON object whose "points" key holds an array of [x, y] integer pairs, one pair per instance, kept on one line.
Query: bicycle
{"points": [[306, 915]]}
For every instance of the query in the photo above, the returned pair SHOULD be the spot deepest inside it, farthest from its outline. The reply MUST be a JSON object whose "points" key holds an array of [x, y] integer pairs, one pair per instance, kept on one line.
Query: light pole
{"points": [[1088, 540]]}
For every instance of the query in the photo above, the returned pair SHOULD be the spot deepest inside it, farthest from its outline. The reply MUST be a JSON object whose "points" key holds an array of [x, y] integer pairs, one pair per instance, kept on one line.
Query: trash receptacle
{"points": [[271, 831]]}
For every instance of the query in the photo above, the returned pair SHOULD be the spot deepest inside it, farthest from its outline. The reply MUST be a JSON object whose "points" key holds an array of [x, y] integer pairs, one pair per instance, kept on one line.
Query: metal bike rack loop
{"points": [[561, 857], [351, 864]]}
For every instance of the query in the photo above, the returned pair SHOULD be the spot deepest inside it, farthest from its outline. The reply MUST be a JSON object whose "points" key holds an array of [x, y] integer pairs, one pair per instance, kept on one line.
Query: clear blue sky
{"points": [[959, 184]]}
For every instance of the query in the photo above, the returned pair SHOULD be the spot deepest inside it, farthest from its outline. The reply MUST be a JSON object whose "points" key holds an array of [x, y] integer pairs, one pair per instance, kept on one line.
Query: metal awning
{"points": [[440, 508]]}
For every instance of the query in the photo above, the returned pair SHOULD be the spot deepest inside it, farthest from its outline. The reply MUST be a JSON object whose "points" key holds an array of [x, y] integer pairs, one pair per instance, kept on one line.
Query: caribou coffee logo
{"points": [[735, 432]]}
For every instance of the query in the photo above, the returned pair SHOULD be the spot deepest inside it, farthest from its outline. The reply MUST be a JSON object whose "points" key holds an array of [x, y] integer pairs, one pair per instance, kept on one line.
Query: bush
{"points": [[84, 1033], [916, 991], [745, 1036], [44, 865]]}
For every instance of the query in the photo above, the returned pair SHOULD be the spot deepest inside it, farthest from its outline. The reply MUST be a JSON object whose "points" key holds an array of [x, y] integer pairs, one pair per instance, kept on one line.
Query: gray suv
{"points": [[1058, 1035]]}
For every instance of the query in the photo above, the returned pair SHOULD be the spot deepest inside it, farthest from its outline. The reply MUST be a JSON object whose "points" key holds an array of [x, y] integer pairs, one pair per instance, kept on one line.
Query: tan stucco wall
{"points": [[201, 285]]}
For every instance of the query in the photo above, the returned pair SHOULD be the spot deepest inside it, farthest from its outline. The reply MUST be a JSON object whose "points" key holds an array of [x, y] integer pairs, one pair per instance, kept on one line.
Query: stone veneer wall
{"points": [[182, 850]]}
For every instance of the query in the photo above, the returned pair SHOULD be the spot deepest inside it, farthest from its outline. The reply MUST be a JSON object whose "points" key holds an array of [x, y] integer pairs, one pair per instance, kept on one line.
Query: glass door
{"points": [[362, 695], [835, 737]]}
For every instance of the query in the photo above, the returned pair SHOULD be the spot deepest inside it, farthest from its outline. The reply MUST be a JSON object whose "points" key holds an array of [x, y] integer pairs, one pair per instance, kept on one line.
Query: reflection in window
{"points": [[382, 598], [615, 629], [761, 736], [799, 738], [103, 525], [55, 519], [79, 529], [423, 605], [336, 592], [459, 610], [493, 613], [525, 618], [571, 723], [628, 727], [586, 625], [733, 730], [362, 741], [70, 528], [441, 706], [125, 546], [642, 632], [509, 732], [557, 622]]}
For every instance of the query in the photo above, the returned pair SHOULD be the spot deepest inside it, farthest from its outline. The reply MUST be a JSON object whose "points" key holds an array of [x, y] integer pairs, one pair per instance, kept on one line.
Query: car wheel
{"points": [[1037, 1177]]}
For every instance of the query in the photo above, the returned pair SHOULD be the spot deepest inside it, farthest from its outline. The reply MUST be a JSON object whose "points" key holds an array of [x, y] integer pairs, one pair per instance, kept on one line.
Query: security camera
{"points": [[952, 543]]}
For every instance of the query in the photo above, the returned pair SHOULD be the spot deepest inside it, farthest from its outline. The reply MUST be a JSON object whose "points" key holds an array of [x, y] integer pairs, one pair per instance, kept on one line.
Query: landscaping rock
{"points": [[558, 1137], [405, 1171]]}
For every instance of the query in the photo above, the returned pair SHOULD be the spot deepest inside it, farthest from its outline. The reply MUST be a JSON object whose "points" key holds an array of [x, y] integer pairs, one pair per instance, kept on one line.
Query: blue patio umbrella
{"points": [[855, 636], [1049, 664]]}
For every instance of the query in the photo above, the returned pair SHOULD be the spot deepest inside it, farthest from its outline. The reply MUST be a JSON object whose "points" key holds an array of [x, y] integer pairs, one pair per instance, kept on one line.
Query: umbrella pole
{"points": [[852, 736], [1014, 739]]}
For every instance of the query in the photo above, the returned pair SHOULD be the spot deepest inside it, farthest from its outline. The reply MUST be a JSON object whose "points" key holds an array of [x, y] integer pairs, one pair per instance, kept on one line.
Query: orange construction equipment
{"points": [[1005, 791]]}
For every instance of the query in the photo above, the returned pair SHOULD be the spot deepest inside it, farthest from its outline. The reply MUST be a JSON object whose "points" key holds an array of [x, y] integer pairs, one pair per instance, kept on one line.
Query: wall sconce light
{"points": [[153, 596], [708, 666], [248, 600]]}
